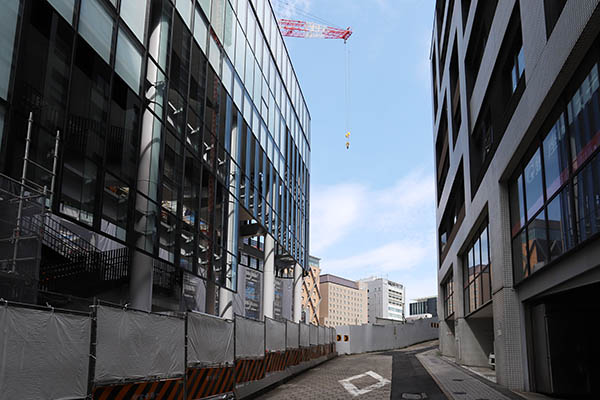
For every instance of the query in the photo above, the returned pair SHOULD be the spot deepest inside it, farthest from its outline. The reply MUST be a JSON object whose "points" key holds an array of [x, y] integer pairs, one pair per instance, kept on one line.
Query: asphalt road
{"points": [[363, 376]]}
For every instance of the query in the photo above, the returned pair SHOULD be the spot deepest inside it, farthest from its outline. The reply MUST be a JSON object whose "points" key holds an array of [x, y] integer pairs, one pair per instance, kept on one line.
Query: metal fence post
{"points": [[93, 337]]}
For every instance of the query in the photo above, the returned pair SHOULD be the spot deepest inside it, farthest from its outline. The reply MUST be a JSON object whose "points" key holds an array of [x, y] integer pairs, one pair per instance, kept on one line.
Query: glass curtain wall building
{"points": [[184, 144]]}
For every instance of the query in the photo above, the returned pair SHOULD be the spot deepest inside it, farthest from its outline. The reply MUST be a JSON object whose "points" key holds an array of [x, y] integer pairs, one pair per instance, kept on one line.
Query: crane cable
{"points": [[347, 94]]}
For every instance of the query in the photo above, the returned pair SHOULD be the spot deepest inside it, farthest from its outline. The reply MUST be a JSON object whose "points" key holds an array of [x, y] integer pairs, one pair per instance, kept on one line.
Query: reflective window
{"points": [[159, 29], [133, 13], [534, 193], [184, 7], [200, 31], [8, 24], [586, 188], [114, 207], [64, 8], [556, 157], [537, 242], [584, 119], [128, 62], [205, 4], [477, 272], [560, 235], [96, 26]]}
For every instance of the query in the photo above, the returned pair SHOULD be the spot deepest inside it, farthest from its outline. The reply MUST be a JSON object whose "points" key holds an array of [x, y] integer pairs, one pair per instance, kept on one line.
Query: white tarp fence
{"points": [[210, 340], [133, 344], [44, 354], [322, 335], [249, 338], [274, 335], [314, 335], [304, 335], [292, 335], [368, 337]]}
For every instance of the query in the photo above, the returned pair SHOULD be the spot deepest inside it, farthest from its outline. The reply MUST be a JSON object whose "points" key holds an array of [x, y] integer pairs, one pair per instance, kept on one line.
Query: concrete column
{"points": [[297, 290], [269, 277], [140, 281]]}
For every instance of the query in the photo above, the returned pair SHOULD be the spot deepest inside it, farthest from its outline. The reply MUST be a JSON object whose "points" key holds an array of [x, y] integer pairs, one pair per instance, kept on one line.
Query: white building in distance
{"points": [[385, 299]]}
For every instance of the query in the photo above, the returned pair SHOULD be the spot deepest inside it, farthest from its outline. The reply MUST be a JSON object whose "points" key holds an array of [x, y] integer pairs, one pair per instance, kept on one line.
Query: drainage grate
{"points": [[459, 392], [458, 380]]}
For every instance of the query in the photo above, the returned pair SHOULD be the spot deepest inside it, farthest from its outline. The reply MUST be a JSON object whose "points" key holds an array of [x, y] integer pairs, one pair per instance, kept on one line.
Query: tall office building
{"points": [[311, 293], [516, 108], [182, 170], [385, 299], [343, 302]]}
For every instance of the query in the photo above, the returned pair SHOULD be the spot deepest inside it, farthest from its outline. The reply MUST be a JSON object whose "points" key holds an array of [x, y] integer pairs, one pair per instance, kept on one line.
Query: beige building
{"points": [[342, 302], [311, 295]]}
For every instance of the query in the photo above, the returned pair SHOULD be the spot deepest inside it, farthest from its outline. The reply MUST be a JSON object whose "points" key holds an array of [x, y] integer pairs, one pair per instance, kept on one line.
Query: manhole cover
{"points": [[414, 396]]}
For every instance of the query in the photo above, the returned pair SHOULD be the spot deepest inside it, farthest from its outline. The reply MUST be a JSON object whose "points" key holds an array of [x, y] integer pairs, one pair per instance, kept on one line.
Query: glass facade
{"points": [[555, 194], [181, 123], [448, 290], [477, 272]]}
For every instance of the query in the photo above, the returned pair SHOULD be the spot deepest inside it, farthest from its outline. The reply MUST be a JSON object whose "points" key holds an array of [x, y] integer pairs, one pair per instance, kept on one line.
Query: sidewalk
{"points": [[457, 383]]}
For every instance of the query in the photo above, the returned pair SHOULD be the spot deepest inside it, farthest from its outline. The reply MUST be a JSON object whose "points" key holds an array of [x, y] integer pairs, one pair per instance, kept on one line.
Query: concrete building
{"points": [[182, 177], [425, 306], [385, 299], [516, 112], [343, 302], [311, 294]]}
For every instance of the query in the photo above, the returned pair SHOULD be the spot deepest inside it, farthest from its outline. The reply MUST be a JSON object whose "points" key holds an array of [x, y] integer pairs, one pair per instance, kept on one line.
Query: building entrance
{"points": [[565, 351]]}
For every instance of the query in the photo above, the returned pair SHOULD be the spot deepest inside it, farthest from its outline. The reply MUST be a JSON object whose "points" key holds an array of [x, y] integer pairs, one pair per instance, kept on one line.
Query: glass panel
{"points": [[159, 29], [205, 4], [96, 26], [128, 62], [587, 199], [180, 57], [519, 250], [229, 36], [560, 236], [584, 119], [486, 290], [217, 19], [214, 56], [114, 207], [537, 242], [200, 31], [122, 138], [64, 8], [78, 190], [485, 260], [556, 157], [185, 9], [534, 194], [133, 13]]}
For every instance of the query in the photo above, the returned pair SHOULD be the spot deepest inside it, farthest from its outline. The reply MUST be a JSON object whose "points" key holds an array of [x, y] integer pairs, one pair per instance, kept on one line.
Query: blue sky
{"points": [[372, 206]]}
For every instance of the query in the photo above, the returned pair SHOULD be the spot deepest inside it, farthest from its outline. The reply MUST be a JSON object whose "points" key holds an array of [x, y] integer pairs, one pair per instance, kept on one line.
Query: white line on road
{"points": [[354, 391]]}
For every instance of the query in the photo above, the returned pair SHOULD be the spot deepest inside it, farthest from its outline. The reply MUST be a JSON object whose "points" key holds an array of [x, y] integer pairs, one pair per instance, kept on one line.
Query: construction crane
{"points": [[304, 29]]}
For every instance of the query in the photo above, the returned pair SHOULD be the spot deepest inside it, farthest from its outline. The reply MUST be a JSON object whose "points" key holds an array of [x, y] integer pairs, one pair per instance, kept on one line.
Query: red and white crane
{"points": [[304, 29]]}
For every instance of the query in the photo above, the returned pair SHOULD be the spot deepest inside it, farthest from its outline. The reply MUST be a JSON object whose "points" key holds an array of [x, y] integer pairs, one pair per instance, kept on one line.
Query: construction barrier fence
{"points": [[114, 352]]}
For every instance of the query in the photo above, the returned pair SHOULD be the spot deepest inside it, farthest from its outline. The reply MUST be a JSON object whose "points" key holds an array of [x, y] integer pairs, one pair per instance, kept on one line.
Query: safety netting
{"points": [[249, 338], [137, 345], [274, 335], [314, 335], [322, 335], [304, 335], [44, 354], [292, 335], [210, 340]]}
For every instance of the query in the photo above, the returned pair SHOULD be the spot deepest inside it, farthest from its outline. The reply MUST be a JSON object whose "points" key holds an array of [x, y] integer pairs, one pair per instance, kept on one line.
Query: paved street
{"points": [[364, 376]]}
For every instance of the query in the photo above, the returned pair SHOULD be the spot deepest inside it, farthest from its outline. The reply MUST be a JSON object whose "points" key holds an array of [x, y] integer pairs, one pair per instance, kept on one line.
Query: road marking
{"points": [[354, 391]]}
